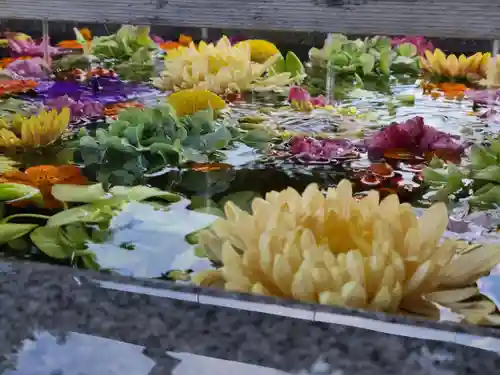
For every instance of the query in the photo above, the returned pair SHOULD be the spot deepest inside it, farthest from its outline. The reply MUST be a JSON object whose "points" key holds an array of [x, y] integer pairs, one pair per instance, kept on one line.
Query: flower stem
{"points": [[35, 216]]}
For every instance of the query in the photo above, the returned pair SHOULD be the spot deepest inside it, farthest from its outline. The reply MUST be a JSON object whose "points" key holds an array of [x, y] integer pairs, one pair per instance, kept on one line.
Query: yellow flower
{"points": [[7, 164], [338, 250], [39, 130], [260, 50], [472, 68], [187, 102], [220, 68]]}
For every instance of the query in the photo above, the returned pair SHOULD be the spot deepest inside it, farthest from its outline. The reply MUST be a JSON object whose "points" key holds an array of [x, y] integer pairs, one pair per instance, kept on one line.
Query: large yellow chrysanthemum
{"points": [[187, 102], [338, 250], [221, 68], [472, 68], [39, 130]]}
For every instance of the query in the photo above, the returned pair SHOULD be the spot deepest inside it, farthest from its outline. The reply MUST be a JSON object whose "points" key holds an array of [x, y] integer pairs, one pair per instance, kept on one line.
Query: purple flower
{"points": [[34, 68], [483, 96], [78, 109], [413, 136], [105, 90], [30, 48], [321, 150]]}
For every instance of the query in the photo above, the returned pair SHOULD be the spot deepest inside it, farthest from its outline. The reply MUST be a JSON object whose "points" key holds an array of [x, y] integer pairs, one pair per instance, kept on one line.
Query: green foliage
{"points": [[480, 179], [146, 141], [357, 62], [128, 51]]}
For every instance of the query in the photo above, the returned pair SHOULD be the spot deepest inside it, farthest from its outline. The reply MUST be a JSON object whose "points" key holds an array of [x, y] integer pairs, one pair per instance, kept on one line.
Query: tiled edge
{"points": [[240, 301]]}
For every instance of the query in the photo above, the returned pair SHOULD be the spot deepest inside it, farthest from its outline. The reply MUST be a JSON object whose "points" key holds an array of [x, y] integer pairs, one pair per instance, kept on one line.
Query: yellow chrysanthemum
{"points": [[221, 68], [39, 130], [472, 68], [187, 102], [260, 50], [338, 250]]}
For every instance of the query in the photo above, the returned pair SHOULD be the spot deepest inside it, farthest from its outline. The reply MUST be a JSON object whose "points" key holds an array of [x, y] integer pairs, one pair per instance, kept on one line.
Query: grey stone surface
{"points": [[55, 320]]}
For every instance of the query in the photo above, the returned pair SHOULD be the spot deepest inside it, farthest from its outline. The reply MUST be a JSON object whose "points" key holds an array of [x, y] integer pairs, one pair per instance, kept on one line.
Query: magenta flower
{"points": [[413, 136], [299, 97], [307, 149], [420, 42]]}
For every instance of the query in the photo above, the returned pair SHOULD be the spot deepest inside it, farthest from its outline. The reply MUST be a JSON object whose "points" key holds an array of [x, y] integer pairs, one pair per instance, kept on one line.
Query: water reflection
{"points": [[146, 242], [77, 354]]}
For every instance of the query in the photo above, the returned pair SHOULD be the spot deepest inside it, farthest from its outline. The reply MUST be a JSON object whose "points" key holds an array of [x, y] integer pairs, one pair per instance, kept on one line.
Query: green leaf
{"points": [[140, 193], [385, 62], [481, 157], [491, 173], [407, 50], [78, 193], [46, 239], [10, 192], [367, 62], [279, 66], [293, 65], [9, 231], [85, 214]]}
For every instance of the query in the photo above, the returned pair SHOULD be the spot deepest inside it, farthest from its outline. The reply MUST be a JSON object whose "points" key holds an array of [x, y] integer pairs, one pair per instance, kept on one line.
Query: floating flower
{"points": [[260, 50], [220, 68], [309, 149], [16, 86], [420, 42], [34, 68], [185, 40], [471, 68], [85, 109], [301, 100], [43, 177], [339, 250], [490, 96], [7, 60], [413, 137], [112, 110], [188, 102], [36, 131]]}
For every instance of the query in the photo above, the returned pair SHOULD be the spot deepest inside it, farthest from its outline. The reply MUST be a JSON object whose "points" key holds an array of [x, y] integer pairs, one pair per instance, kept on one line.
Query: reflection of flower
{"points": [[339, 250], [420, 42], [450, 90], [260, 50], [412, 136], [220, 68], [43, 177], [79, 109], [309, 149], [39, 130], [301, 100], [105, 90], [188, 102], [472, 68]]}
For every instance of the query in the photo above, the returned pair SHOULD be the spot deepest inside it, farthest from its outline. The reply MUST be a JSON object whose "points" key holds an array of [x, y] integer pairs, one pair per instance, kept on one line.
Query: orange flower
{"points": [[185, 40], [113, 109], [86, 33], [16, 86], [169, 45], [69, 44], [43, 177], [450, 90]]}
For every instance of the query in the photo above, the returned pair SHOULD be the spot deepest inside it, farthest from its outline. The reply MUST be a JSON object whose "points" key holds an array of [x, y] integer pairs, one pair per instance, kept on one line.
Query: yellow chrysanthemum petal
{"points": [[339, 251], [187, 102]]}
